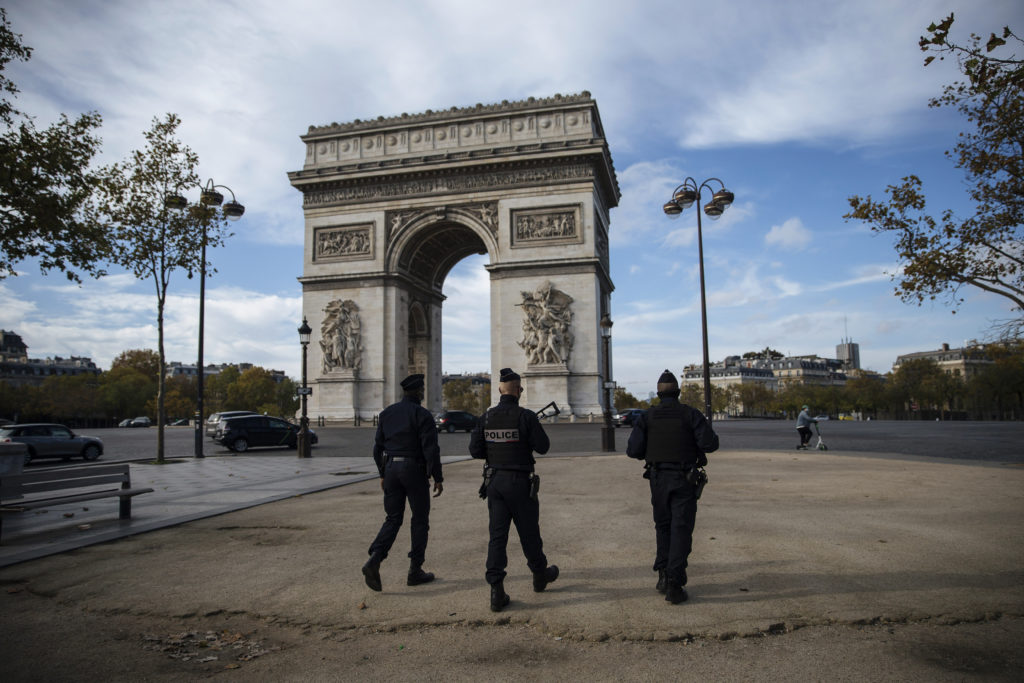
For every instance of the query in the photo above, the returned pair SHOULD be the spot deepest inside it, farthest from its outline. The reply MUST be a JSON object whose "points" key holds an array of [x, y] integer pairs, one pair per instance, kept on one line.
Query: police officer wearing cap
{"points": [[673, 439], [407, 455], [506, 436]]}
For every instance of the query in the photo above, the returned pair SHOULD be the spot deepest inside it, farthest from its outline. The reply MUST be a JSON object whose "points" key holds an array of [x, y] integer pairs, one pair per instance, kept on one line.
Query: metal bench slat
{"points": [[61, 500]]}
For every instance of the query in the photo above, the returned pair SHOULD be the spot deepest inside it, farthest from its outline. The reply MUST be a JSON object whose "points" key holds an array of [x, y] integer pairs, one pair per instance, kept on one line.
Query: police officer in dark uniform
{"points": [[407, 455], [673, 438], [506, 436]]}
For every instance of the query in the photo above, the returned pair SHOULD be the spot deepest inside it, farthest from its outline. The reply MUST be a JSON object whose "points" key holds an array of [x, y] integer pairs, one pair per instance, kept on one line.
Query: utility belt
{"points": [[404, 458], [694, 474], [490, 472]]}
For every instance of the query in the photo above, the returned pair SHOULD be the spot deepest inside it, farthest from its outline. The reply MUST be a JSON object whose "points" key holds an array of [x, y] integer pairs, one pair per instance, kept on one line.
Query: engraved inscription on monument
{"points": [[547, 226], [546, 339], [343, 243]]}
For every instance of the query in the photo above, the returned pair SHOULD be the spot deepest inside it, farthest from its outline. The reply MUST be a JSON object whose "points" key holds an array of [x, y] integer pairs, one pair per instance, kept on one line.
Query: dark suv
{"points": [[213, 422], [450, 420], [250, 431]]}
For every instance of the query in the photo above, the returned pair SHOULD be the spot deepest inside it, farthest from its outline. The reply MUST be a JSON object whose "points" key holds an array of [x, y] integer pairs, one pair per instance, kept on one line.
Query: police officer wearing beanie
{"points": [[506, 436], [407, 455], [673, 439]]}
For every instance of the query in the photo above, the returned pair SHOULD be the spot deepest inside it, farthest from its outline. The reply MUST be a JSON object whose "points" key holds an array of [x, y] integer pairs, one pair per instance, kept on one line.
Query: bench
{"points": [[37, 489]]}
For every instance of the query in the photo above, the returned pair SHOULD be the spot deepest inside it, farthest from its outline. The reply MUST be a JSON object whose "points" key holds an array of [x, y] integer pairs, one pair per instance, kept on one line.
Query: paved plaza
{"points": [[809, 565]]}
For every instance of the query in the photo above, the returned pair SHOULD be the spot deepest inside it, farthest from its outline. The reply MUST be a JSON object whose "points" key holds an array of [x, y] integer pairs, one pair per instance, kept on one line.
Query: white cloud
{"points": [[790, 235]]}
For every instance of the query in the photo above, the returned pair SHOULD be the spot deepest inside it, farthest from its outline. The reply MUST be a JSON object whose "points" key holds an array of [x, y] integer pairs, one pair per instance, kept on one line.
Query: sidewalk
{"points": [[185, 490], [806, 566]]}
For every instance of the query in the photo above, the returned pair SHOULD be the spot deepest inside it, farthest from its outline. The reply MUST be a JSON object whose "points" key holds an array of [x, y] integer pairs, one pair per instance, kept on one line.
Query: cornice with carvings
{"points": [[429, 116]]}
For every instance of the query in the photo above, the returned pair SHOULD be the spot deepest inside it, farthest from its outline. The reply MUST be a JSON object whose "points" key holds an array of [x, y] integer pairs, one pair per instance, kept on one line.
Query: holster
{"points": [[699, 478], [488, 475]]}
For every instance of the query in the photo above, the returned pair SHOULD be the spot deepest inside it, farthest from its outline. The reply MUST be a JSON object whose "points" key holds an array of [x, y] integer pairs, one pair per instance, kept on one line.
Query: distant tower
{"points": [[849, 353]]}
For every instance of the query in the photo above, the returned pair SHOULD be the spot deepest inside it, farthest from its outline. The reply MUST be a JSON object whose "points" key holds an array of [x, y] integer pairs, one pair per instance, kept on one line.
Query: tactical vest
{"points": [[669, 438], [505, 445]]}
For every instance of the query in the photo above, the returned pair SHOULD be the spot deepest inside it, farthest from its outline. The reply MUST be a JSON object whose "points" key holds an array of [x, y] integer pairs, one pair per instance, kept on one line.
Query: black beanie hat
{"points": [[668, 378]]}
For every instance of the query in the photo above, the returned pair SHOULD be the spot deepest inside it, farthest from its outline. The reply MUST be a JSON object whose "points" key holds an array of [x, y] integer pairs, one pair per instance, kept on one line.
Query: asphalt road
{"points": [[976, 441]]}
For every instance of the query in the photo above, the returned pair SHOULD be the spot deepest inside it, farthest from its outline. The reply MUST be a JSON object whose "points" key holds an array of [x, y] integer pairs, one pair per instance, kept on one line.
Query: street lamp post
{"points": [[304, 446], [209, 198], [682, 198], [608, 431]]}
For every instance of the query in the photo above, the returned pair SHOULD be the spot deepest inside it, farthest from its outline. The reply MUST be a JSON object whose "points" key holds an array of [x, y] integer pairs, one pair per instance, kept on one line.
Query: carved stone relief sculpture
{"points": [[547, 338], [541, 227], [350, 242], [341, 336]]}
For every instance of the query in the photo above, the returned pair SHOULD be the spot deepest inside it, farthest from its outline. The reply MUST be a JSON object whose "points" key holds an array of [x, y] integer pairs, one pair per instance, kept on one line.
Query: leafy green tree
{"points": [[153, 241], [126, 391], [256, 389], [922, 381], [866, 394], [985, 250], [460, 394], [287, 401], [755, 398], [179, 398], [69, 398], [46, 184], [216, 388], [146, 361], [624, 400], [690, 393]]}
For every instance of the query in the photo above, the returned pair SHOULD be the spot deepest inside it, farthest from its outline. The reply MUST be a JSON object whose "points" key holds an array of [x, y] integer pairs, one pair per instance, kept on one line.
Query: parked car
{"points": [[450, 420], [243, 432], [51, 441], [142, 421], [626, 417], [127, 422], [213, 422]]}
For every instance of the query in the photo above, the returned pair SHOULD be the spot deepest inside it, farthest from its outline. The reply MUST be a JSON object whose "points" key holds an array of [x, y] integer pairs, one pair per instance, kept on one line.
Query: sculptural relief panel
{"points": [[343, 243], [547, 226], [547, 326], [341, 336]]}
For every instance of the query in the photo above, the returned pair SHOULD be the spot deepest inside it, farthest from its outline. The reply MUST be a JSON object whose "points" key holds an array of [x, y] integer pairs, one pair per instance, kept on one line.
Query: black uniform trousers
{"points": [[404, 479], [508, 500], [675, 513]]}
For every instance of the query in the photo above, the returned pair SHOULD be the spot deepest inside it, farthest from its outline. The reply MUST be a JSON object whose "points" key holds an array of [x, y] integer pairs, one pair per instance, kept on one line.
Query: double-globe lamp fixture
{"points": [[209, 200], [209, 197], [683, 197]]}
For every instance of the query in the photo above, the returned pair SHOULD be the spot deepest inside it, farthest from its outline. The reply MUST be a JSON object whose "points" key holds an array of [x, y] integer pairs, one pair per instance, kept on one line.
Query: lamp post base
{"points": [[608, 439]]}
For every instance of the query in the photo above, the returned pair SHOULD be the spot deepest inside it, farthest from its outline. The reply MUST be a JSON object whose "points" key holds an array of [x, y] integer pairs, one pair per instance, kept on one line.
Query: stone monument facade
{"points": [[391, 205]]}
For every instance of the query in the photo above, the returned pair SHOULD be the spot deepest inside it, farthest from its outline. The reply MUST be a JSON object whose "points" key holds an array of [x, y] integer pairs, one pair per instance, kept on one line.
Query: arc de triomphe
{"points": [[391, 205]]}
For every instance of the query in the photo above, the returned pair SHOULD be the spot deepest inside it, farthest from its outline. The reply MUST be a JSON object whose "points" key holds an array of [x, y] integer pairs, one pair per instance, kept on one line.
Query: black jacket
{"points": [[407, 429]]}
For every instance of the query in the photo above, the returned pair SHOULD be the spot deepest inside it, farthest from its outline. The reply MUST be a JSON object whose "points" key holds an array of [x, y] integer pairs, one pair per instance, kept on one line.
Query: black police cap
{"points": [[507, 375], [668, 378], [412, 382]]}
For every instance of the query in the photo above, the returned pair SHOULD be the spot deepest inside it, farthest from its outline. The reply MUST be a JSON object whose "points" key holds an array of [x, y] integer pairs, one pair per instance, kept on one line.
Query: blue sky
{"points": [[795, 105]]}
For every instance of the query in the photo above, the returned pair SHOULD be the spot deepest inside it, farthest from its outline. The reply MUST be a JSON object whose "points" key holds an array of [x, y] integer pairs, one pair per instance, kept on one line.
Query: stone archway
{"points": [[392, 205]]}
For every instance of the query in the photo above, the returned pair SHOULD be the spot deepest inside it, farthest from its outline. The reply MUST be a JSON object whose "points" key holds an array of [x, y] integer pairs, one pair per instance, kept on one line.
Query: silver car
{"points": [[51, 441]]}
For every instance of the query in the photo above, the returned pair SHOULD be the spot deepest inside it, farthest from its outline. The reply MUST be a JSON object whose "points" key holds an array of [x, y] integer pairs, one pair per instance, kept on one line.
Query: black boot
{"points": [[499, 598], [675, 593], [662, 586], [542, 578], [418, 576], [371, 572]]}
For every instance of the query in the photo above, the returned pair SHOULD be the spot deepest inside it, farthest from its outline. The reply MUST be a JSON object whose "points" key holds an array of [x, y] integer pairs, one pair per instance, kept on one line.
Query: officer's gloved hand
{"points": [[438, 488]]}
